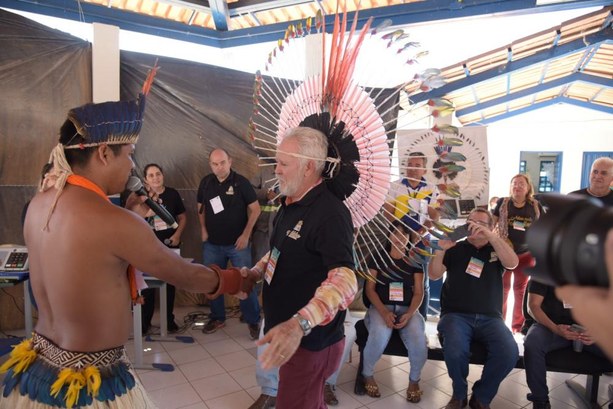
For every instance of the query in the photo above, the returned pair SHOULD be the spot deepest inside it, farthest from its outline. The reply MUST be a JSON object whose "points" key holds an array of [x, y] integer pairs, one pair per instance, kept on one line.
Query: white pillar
{"points": [[105, 63]]}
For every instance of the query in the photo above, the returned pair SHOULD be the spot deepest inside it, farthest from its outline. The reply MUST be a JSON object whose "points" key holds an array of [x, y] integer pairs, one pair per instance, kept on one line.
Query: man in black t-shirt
{"points": [[471, 308], [308, 276], [554, 328], [227, 210], [601, 177]]}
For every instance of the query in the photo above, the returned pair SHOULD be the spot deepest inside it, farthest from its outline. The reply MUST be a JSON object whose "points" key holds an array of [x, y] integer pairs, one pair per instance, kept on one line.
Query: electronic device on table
{"points": [[13, 259]]}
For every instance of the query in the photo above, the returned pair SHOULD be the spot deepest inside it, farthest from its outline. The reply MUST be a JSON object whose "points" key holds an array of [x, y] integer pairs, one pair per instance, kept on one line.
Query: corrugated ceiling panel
{"points": [[547, 94], [604, 98], [462, 98], [520, 103]]}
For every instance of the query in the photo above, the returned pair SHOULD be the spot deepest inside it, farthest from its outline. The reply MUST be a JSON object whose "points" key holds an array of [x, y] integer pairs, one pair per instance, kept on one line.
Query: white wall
{"points": [[563, 128]]}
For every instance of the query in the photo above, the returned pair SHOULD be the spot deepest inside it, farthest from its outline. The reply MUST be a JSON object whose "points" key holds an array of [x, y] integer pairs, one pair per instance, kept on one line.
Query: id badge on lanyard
{"points": [[272, 264]]}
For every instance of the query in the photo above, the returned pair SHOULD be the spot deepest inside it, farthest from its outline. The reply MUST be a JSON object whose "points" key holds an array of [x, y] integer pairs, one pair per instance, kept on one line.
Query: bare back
{"points": [[80, 285]]}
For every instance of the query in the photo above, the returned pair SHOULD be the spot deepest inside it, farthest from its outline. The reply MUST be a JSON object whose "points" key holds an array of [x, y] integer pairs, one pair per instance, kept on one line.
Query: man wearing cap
{"points": [[83, 253]]}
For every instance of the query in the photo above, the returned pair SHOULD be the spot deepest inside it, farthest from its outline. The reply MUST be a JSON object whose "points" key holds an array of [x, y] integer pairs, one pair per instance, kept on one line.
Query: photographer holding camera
{"points": [[592, 306], [573, 247]]}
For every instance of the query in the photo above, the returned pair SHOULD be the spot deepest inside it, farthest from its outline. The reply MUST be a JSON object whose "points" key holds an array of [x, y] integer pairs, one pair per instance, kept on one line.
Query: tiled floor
{"points": [[217, 371]]}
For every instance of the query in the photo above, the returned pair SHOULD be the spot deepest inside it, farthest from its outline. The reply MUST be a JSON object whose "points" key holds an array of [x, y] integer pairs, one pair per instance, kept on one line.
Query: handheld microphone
{"points": [[135, 185]]}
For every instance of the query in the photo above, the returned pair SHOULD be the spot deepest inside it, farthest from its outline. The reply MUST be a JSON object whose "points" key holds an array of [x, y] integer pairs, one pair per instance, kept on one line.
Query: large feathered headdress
{"points": [[341, 85]]}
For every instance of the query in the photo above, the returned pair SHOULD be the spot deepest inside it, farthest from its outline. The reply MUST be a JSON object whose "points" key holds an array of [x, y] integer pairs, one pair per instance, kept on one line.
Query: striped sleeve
{"points": [[335, 293]]}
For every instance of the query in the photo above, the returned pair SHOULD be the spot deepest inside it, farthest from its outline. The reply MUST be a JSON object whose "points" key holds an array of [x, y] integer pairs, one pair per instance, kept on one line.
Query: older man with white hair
{"points": [[309, 281]]}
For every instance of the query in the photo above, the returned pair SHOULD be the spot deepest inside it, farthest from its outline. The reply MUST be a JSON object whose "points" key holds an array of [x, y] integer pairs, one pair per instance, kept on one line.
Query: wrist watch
{"points": [[304, 324]]}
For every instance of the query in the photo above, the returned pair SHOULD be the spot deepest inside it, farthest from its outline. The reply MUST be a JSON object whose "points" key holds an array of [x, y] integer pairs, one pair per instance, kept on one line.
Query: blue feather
{"points": [[10, 381]]}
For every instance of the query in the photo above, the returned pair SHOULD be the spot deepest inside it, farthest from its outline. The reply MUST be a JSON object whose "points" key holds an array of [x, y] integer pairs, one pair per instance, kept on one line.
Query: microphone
{"points": [[135, 185]]}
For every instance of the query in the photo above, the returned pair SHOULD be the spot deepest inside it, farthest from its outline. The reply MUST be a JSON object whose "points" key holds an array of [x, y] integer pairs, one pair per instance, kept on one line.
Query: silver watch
{"points": [[304, 324]]}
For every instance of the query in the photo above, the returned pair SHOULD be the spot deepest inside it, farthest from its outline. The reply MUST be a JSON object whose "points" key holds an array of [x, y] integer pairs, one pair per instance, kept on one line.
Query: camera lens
{"points": [[568, 241]]}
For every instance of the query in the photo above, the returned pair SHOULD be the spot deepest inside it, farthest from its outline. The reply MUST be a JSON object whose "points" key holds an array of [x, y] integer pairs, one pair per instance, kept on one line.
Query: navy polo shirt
{"points": [[313, 235], [235, 193], [465, 293]]}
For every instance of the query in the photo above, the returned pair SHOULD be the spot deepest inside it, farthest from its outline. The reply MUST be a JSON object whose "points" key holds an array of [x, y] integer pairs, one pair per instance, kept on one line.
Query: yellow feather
{"points": [[92, 374], [21, 357]]}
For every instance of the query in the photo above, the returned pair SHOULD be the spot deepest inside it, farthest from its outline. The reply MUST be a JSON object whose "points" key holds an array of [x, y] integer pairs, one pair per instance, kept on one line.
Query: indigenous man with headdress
{"points": [[83, 253]]}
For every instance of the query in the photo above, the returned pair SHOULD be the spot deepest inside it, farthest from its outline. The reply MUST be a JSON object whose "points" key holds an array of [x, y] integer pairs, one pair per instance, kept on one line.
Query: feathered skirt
{"points": [[40, 374]]}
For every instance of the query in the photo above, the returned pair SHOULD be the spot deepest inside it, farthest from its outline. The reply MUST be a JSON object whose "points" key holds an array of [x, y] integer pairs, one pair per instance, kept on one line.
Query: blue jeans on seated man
{"points": [[413, 337], [268, 379], [458, 330], [220, 255], [538, 342]]}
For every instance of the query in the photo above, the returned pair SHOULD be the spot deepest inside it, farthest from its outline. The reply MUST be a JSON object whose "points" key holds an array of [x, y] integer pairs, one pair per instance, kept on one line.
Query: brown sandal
{"points": [[372, 389], [413, 392]]}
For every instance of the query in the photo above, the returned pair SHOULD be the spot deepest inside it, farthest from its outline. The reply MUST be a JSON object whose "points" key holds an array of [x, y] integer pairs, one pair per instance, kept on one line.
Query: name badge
{"points": [[519, 225], [159, 224], [216, 204], [396, 292], [271, 265], [475, 267]]}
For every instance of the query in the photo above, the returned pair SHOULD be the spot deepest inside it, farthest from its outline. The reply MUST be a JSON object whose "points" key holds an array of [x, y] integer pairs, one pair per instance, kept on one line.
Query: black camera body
{"points": [[568, 241]]}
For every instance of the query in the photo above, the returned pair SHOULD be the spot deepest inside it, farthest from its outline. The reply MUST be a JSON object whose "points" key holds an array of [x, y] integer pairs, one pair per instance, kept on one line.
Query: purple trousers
{"points": [[302, 378]]}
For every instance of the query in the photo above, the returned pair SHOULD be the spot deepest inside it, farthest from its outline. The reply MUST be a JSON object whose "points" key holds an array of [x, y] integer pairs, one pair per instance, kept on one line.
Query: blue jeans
{"points": [[538, 342], [220, 255], [458, 331], [413, 337], [268, 379]]}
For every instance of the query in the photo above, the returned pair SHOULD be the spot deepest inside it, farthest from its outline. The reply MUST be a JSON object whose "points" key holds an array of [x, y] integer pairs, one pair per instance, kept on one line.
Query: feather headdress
{"points": [[347, 91], [111, 123]]}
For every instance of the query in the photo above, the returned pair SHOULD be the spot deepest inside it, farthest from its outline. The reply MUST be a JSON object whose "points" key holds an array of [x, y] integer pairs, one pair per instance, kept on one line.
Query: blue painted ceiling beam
{"points": [[417, 12], [220, 13], [543, 104], [591, 79], [593, 40]]}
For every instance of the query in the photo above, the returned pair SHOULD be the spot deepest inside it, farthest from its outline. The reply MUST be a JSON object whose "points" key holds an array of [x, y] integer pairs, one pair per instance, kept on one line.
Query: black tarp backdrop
{"points": [[191, 109]]}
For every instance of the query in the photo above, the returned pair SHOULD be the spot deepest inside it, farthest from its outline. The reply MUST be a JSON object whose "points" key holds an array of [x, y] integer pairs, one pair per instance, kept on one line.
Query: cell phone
{"points": [[458, 233], [577, 328]]}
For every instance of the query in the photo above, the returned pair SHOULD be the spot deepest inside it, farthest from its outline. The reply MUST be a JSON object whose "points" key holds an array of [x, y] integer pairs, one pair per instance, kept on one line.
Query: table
{"points": [[11, 278], [153, 282]]}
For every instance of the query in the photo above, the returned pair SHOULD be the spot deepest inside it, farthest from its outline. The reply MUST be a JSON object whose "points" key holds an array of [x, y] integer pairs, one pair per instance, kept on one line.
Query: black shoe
{"points": [[329, 395], [264, 402], [541, 405], [456, 404], [254, 331], [473, 403], [212, 326], [172, 327]]}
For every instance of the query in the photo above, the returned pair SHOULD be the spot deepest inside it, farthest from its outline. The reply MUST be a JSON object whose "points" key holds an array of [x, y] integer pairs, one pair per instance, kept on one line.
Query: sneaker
{"points": [[329, 395], [264, 402], [254, 331], [456, 404], [212, 326], [473, 403]]}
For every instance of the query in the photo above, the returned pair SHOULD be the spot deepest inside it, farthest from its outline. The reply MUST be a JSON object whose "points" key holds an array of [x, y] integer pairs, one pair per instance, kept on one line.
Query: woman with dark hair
{"points": [[514, 215], [171, 200], [394, 302]]}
